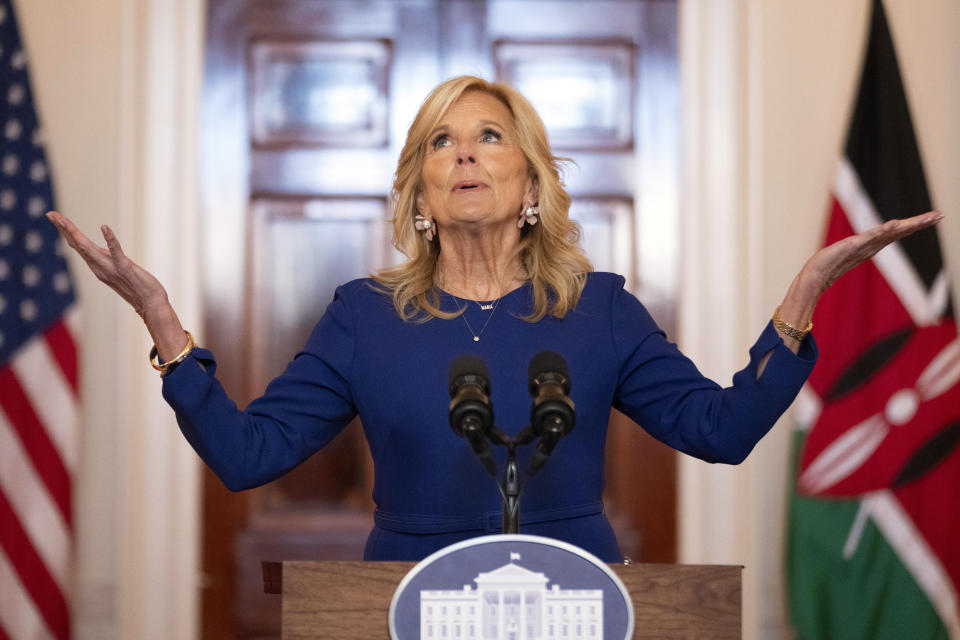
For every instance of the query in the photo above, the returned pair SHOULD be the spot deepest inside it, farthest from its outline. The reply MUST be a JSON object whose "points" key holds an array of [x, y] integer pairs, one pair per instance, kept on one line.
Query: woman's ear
{"points": [[422, 208], [532, 196]]}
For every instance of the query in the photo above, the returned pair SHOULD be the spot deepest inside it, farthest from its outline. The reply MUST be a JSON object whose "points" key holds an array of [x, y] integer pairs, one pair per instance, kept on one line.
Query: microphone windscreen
{"points": [[546, 362], [468, 366]]}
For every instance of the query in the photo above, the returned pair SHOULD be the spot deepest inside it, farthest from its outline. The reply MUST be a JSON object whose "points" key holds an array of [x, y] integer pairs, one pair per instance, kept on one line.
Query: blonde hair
{"points": [[549, 252]]}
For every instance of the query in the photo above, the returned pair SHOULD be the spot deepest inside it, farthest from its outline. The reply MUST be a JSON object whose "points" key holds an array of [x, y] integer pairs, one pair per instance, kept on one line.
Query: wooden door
{"points": [[305, 110]]}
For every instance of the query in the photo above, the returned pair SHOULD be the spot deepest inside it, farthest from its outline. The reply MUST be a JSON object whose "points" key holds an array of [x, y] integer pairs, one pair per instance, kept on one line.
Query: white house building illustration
{"points": [[511, 603]]}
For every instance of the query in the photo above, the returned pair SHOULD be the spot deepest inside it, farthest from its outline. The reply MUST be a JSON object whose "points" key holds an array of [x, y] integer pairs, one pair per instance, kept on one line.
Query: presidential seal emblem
{"points": [[511, 587]]}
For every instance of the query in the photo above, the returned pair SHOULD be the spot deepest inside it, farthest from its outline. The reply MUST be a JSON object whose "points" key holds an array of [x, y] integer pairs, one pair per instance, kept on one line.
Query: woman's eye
{"points": [[441, 140], [490, 136]]}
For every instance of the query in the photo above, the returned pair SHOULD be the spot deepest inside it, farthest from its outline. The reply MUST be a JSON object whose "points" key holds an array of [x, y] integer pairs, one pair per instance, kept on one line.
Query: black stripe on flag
{"points": [[889, 165]]}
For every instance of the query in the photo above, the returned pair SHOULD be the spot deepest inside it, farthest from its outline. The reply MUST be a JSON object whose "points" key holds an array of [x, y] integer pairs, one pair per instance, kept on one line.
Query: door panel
{"points": [[582, 89], [306, 106]]}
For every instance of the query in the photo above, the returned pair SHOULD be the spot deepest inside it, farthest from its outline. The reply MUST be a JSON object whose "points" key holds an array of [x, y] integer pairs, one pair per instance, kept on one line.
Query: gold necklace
{"points": [[463, 314]]}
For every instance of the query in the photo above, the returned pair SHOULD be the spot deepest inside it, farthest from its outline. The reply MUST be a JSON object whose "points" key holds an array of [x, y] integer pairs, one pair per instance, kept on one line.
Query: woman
{"points": [[494, 270]]}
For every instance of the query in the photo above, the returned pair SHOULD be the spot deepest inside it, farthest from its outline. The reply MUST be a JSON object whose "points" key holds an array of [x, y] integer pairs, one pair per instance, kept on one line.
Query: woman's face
{"points": [[474, 173]]}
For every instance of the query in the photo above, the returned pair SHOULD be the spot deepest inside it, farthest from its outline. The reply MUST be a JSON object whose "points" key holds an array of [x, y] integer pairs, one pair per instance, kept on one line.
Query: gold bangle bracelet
{"points": [[793, 332], [163, 366]]}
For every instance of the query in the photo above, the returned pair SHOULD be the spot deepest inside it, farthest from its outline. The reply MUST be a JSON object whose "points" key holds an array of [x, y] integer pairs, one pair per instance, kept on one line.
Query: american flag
{"points": [[38, 371]]}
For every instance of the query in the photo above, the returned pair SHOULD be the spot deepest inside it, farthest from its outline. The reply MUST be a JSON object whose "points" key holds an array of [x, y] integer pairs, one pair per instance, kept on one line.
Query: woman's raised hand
{"points": [[112, 266], [131, 281], [829, 263], [834, 260]]}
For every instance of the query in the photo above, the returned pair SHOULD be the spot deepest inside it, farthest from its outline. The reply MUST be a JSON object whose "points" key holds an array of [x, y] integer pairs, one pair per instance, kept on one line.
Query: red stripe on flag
{"points": [[64, 351], [46, 460], [927, 500], [3, 634], [33, 573], [856, 311]]}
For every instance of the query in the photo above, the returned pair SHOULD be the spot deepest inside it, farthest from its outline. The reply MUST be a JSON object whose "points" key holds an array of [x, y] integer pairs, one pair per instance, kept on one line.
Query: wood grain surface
{"points": [[347, 600]]}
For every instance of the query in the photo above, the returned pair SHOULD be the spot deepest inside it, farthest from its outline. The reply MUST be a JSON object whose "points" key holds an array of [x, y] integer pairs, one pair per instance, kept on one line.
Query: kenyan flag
{"points": [[874, 540]]}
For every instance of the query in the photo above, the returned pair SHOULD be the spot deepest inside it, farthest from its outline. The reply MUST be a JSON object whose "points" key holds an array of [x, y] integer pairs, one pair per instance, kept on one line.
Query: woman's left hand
{"points": [[829, 263], [834, 260]]}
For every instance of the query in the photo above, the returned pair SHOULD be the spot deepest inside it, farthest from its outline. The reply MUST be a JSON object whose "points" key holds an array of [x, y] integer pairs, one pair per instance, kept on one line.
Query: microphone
{"points": [[471, 414], [552, 416]]}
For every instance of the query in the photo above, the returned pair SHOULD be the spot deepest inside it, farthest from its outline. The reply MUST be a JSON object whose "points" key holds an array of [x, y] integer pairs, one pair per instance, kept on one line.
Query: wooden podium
{"points": [[351, 600]]}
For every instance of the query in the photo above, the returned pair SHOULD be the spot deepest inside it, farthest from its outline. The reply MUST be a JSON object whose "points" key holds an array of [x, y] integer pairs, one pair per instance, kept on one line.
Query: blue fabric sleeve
{"points": [[662, 390], [300, 411]]}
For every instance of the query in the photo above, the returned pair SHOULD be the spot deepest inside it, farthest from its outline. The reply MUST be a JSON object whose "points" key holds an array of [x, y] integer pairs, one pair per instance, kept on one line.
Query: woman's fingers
{"points": [[113, 245], [66, 229], [104, 263], [894, 230], [835, 260], [65, 226], [112, 266], [131, 282], [94, 255]]}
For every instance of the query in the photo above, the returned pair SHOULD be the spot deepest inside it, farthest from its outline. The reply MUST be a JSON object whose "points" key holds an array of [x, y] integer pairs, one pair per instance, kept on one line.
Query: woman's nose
{"points": [[466, 155]]}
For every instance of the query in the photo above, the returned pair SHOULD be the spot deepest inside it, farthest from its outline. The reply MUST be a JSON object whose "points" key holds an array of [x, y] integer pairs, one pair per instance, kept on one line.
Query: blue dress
{"points": [[430, 491]]}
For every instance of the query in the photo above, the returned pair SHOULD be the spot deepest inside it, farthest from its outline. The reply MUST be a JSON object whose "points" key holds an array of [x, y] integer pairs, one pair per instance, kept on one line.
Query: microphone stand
{"points": [[510, 485], [552, 415]]}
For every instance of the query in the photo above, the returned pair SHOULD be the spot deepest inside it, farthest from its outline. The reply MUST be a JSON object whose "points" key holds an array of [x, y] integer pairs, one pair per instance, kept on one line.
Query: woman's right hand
{"points": [[112, 266], [132, 282]]}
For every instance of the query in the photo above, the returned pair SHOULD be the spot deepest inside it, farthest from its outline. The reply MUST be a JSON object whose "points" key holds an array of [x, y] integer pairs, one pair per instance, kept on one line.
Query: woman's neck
{"points": [[476, 269]]}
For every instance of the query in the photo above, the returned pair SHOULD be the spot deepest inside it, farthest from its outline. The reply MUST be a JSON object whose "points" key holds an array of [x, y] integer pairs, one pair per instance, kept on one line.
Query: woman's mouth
{"points": [[468, 185]]}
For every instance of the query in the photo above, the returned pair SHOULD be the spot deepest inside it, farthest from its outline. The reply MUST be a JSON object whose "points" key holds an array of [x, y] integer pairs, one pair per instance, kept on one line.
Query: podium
{"points": [[351, 600]]}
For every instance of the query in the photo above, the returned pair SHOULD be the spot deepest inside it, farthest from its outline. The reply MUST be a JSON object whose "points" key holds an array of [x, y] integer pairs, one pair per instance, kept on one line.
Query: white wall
{"points": [[116, 82], [769, 87]]}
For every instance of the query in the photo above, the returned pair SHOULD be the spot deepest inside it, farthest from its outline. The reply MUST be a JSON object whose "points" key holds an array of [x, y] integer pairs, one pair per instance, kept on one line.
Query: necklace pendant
{"points": [[486, 307], [476, 338]]}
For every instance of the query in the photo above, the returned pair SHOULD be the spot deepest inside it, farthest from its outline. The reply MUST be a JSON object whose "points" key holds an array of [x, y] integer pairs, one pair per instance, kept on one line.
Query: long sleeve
{"points": [[662, 390], [300, 411]]}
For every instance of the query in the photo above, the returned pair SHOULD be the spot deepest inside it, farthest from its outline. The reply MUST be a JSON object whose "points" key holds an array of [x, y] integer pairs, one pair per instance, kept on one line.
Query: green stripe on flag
{"points": [[869, 595]]}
